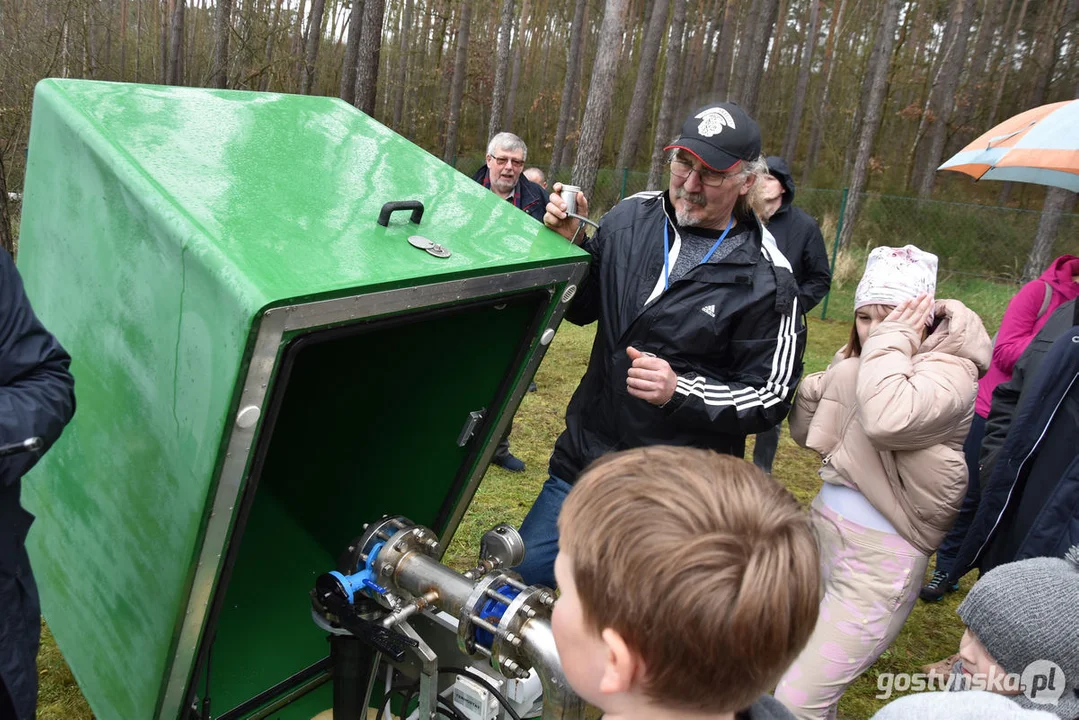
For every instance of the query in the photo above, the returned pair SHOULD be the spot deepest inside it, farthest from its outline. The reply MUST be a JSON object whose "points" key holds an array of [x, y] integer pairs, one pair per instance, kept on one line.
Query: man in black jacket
{"points": [[36, 401], [506, 155], [799, 239], [700, 334], [1029, 505]]}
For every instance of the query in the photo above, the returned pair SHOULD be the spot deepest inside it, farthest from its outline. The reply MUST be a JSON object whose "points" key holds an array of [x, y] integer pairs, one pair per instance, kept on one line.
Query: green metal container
{"points": [[261, 368]]}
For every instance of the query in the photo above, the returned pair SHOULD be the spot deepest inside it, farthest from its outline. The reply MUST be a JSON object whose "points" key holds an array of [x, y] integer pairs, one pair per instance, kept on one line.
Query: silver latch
{"points": [[474, 419]]}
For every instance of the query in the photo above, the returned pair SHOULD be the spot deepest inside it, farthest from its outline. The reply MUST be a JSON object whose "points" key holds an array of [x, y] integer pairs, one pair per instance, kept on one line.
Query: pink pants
{"points": [[871, 582]]}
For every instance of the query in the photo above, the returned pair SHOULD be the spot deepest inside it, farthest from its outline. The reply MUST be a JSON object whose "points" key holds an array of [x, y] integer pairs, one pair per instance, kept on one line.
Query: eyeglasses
{"points": [[501, 161], [683, 169]]}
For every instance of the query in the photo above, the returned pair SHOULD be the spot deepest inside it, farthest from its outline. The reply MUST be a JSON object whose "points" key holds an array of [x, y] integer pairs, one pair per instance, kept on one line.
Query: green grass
{"points": [[932, 632]]}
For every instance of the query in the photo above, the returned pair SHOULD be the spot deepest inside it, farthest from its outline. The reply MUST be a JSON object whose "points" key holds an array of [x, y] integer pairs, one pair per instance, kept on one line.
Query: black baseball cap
{"points": [[720, 135]]}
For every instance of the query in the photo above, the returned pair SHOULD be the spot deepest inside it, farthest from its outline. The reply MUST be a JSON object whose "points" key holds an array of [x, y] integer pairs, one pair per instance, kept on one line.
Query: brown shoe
{"points": [[942, 668]]}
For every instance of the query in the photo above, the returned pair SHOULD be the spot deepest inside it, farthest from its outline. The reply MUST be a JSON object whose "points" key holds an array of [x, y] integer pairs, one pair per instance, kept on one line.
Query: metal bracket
{"points": [[474, 419]]}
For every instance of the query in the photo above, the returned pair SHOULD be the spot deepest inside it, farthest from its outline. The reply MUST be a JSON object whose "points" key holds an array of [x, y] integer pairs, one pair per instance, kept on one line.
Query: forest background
{"points": [[864, 98], [870, 96]]}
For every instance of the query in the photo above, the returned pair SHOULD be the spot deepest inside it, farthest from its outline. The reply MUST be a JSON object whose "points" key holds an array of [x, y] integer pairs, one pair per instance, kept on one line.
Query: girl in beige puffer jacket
{"points": [[888, 418]]}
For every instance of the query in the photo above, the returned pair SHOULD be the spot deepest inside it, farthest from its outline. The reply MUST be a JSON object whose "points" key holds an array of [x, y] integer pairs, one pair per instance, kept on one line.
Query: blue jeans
{"points": [[949, 546], [540, 533]]}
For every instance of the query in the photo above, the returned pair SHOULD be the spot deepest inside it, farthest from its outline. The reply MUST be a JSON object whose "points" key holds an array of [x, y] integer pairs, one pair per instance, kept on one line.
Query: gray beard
{"points": [[682, 216]]}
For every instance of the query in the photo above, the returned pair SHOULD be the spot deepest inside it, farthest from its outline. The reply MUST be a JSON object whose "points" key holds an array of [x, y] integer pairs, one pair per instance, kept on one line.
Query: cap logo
{"points": [[713, 120]]}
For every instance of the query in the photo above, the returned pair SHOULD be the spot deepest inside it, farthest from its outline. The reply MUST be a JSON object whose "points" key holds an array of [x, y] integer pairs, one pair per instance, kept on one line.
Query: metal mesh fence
{"points": [[982, 249]]}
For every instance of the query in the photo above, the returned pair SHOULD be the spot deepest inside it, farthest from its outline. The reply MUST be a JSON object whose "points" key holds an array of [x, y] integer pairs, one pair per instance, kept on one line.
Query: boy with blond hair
{"points": [[689, 583]]}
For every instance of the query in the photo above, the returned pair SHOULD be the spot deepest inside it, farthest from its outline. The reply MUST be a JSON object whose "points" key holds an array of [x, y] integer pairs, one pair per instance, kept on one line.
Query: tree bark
{"points": [[460, 72], [666, 103], [502, 63], [827, 71], [402, 66], [754, 65], [515, 76], [794, 120], [314, 36], [7, 240], [945, 97], [875, 77], [123, 39], [347, 89], [138, 40], [264, 81], [176, 45], [1057, 202], [639, 105], [368, 56], [166, 12], [222, 29], [598, 108], [573, 62], [722, 73]]}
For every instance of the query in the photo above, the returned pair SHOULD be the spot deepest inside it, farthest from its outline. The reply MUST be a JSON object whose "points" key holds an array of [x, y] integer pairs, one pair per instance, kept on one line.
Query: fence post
{"points": [[625, 177], [835, 251]]}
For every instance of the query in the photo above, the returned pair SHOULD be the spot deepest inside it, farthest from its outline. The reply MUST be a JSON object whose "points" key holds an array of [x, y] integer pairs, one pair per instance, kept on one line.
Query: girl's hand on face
{"points": [[913, 312]]}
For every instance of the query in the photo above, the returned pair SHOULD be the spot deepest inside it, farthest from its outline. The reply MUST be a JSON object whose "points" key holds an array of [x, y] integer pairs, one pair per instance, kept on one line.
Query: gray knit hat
{"points": [[1026, 614]]}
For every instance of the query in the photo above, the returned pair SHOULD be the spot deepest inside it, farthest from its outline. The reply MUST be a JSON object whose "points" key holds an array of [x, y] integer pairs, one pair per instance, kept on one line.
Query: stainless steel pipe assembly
{"points": [[397, 597]]}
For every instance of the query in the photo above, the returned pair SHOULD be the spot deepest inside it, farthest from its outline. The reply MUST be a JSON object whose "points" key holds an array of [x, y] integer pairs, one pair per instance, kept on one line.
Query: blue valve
{"points": [[362, 580]]}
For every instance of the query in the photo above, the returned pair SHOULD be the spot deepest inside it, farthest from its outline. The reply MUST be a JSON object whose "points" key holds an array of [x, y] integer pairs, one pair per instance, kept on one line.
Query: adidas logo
{"points": [[709, 310]]}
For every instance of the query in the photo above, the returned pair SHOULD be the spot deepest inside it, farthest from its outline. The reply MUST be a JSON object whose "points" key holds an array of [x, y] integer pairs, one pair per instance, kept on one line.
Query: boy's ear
{"points": [[623, 668]]}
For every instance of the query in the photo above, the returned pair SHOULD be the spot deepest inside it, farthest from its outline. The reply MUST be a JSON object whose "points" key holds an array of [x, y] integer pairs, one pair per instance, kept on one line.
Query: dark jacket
{"points": [[731, 329], [533, 198], [1030, 501], [800, 240], [36, 400]]}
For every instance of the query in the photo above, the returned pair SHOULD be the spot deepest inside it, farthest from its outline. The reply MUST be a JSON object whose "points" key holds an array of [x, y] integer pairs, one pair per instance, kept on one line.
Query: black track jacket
{"points": [[731, 329]]}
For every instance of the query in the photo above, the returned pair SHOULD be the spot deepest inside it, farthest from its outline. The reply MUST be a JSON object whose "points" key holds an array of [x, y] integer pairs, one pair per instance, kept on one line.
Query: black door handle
{"points": [[391, 207]]}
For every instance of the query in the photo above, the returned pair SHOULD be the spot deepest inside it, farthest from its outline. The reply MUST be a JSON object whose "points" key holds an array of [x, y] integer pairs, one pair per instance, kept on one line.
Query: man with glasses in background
{"points": [[700, 337], [506, 155]]}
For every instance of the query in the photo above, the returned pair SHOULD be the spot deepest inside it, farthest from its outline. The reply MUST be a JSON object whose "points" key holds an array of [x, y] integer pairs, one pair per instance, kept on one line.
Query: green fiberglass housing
{"points": [[261, 367]]}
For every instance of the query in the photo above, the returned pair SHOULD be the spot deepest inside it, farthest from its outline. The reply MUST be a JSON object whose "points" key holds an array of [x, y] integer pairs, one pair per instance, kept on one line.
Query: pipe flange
{"points": [[466, 629], [506, 653], [380, 531]]}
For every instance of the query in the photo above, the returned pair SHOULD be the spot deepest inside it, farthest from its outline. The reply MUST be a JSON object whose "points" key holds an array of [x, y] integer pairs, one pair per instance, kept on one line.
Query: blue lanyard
{"points": [[667, 250]]}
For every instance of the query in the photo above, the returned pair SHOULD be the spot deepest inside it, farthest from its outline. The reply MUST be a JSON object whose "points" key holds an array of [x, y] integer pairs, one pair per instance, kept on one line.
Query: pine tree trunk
{"points": [[639, 105], [945, 97], [368, 56], [515, 76], [573, 62], [502, 64], [176, 45], [754, 65], [314, 36], [600, 92], [166, 12], [794, 120], [402, 66], [1005, 66], [666, 103], [138, 40], [123, 39], [722, 73], [222, 30], [7, 240], [347, 89], [1058, 201], [876, 77], [271, 37], [827, 70], [460, 72]]}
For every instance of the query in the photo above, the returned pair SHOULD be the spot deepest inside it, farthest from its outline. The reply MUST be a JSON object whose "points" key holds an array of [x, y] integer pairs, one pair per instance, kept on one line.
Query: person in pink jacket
{"points": [[1027, 312], [888, 418]]}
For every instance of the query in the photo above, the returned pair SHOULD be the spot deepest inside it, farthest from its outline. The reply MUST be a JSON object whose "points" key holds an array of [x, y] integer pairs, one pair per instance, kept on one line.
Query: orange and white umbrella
{"points": [[1037, 146]]}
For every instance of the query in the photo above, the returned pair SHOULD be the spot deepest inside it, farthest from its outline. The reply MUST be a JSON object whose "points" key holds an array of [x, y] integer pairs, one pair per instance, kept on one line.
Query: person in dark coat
{"points": [[1030, 502], [799, 239], [700, 335], [502, 175], [37, 399]]}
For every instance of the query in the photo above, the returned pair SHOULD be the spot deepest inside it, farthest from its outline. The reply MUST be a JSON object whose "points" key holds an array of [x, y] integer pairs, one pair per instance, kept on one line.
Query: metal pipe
{"points": [[559, 700], [420, 575]]}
